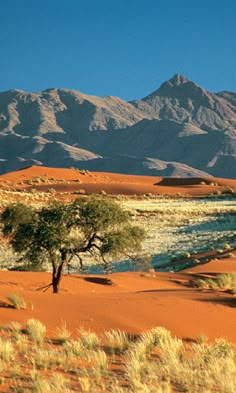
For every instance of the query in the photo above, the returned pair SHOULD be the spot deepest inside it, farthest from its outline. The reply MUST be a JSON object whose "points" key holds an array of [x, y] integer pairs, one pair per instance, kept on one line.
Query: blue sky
{"points": [[125, 48]]}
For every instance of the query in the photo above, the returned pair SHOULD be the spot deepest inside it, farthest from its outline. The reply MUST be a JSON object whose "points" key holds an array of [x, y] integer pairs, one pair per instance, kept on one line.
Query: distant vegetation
{"points": [[226, 281], [175, 227]]}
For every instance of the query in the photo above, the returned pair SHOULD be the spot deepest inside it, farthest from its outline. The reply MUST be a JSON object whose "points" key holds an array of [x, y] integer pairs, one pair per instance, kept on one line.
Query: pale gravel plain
{"points": [[174, 227], [178, 226]]}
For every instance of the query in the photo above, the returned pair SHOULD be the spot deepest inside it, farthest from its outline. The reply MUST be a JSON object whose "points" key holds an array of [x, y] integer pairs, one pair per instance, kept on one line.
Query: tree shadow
{"points": [[225, 301], [99, 280], [165, 290], [5, 305], [216, 223]]}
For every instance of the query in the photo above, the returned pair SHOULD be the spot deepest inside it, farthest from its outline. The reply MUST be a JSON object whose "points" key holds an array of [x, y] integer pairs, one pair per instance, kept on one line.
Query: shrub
{"points": [[100, 363], [36, 330], [206, 283], [46, 359], [117, 340], [84, 384], [225, 280], [90, 340], [51, 190], [17, 302], [62, 333], [74, 347], [7, 352]]}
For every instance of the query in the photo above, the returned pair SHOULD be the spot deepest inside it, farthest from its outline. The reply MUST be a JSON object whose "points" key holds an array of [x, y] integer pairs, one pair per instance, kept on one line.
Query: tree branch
{"points": [[44, 288]]}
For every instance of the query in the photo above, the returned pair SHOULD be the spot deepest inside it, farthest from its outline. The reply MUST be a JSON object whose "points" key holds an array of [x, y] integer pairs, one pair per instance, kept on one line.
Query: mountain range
{"points": [[178, 130]]}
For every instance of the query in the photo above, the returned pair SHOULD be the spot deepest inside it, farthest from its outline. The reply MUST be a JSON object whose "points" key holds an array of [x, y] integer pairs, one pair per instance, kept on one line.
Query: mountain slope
{"points": [[180, 99], [180, 127]]}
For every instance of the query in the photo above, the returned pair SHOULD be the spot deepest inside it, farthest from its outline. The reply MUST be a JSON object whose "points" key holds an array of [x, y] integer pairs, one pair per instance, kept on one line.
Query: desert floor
{"points": [[133, 302], [71, 180]]}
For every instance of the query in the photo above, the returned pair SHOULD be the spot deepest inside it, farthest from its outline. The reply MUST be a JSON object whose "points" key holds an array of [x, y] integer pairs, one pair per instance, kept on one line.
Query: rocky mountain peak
{"points": [[181, 88], [176, 80], [179, 124]]}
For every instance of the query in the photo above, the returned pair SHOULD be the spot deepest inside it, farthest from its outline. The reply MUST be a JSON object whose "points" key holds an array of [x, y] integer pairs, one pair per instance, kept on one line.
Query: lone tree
{"points": [[59, 232]]}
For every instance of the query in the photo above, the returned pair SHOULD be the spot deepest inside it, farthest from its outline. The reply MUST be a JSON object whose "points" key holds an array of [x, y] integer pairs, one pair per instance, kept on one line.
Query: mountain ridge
{"points": [[180, 122]]}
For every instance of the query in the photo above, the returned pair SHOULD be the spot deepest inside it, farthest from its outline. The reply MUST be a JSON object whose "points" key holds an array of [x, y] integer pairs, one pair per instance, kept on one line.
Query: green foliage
{"points": [[225, 280], [228, 281], [122, 241], [59, 232], [15, 215], [97, 215]]}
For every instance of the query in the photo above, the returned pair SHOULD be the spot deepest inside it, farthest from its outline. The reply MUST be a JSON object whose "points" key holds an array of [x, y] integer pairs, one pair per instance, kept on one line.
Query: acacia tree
{"points": [[59, 232]]}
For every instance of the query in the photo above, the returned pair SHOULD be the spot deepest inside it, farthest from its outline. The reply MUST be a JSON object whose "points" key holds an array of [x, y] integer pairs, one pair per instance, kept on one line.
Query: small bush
{"points": [[90, 340], [17, 302], [206, 283], [74, 347], [117, 340], [15, 327], [80, 191], [62, 333], [36, 330], [100, 363], [51, 190], [45, 359], [225, 280], [84, 384], [7, 352]]}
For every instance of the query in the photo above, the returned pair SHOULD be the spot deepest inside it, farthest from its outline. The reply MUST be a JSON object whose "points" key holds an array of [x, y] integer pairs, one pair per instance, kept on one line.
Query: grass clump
{"points": [[118, 341], [63, 334], [206, 283], [17, 302], [73, 348], [15, 327], [100, 363], [36, 330], [226, 281], [57, 384], [45, 359], [85, 385], [7, 351], [155, 362], [89, 339]]}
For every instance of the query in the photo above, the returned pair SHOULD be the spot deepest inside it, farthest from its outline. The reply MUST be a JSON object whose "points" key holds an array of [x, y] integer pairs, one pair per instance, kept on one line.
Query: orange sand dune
{"points": [[129, 301], [214, 266], [71, 180], [132, 302]]}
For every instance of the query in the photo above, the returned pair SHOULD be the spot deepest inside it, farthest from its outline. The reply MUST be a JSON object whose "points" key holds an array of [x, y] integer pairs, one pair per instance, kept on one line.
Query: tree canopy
{"points": [[58, 232]]}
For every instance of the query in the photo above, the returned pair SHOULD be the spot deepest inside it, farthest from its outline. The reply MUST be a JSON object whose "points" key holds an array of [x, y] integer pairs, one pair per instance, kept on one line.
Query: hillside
{"points": [[179, 130]]}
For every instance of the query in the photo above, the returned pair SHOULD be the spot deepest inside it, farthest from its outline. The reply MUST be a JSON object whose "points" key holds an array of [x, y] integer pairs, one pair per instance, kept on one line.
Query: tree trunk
{"points": [[56, 277], [58, 270]]}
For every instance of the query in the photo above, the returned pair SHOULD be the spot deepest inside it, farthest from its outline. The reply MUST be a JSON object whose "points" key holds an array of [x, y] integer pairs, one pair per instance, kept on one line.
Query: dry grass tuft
{"points": [[17, 301]]}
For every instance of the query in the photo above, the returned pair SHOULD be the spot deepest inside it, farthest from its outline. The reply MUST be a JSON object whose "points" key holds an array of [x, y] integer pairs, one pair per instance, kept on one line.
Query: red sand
{"points": [[95, 182], [133, 302]]}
